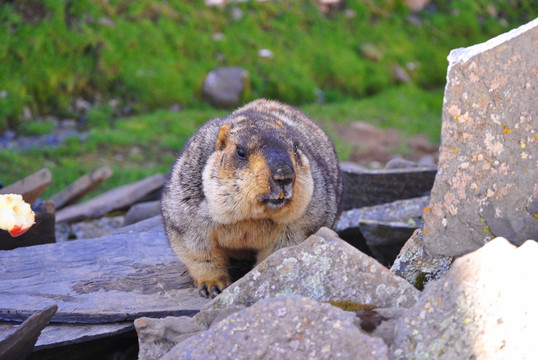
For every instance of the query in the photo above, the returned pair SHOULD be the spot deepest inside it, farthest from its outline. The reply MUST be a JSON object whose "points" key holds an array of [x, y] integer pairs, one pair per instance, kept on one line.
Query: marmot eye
{"points": [[241, 153]]}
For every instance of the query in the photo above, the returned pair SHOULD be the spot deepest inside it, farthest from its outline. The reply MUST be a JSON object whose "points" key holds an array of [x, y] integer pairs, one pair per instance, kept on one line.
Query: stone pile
{"points": [[325, 299], [292, 302]]}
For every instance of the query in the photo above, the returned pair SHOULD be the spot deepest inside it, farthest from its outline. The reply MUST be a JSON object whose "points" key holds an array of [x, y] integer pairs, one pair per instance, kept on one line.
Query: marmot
{"points": [[262, 178]]}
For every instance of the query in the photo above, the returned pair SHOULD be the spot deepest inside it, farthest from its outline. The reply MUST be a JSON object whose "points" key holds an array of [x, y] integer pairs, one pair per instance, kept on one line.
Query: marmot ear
{"points": [[224, 133]]}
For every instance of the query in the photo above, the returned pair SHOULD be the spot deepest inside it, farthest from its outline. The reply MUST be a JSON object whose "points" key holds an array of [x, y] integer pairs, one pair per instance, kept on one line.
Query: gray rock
{"points": [[370, 52], [81, 187], [488, 162], [42, 232], [156, 337], [323, 268], [415, 265], [117, 278], [400, 75], [19, 343], [485, 308], [224, 87], [290, 327], [385, 227], [88, 229], [142, 211], [61, 334], [389, 318], [118, 198], [31, 187]]}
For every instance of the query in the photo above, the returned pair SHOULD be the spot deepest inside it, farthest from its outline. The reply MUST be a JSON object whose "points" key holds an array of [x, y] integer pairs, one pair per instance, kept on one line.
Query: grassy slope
{"points": [[150, 54]]}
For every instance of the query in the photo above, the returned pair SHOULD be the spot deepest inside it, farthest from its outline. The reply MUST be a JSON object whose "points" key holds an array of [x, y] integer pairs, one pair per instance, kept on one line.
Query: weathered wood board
{"points": [[120, 277], [372, 187]]}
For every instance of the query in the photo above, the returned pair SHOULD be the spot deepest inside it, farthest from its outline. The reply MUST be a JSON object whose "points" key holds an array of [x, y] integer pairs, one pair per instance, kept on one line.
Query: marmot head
{"points": [[257, 171]]}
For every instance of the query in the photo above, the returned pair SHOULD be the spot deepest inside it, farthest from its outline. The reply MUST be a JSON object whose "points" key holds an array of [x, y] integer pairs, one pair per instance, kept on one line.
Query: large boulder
{"points": [[290, 327], [156, 337], [484, 308], [486, 185], [324, 268]]}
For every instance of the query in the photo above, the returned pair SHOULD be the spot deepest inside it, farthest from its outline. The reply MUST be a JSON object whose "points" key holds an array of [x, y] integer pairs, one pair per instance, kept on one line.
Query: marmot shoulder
{"points": [[262, 178]]}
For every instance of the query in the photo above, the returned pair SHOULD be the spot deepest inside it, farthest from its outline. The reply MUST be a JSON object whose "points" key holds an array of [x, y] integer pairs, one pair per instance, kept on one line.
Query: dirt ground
{"points": [[373, 147]]}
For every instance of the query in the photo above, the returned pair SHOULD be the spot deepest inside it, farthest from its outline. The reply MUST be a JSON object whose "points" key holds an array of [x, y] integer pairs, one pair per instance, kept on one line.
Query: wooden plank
{"points": [[31, 187], [126, 275], [83, 185], [372, 187], [115, 199]]}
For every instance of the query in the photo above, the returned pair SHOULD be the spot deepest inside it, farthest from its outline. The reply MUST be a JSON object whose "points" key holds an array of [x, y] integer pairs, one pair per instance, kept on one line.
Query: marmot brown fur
{"points": [[262, 178]]}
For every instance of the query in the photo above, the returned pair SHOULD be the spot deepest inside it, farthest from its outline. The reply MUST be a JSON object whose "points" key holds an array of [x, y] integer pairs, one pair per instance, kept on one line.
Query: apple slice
{"points": [[16, 216]]}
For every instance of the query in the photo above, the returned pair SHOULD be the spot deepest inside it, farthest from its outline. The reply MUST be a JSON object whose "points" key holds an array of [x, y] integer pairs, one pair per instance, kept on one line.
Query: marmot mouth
{"points": [[275, 204]]}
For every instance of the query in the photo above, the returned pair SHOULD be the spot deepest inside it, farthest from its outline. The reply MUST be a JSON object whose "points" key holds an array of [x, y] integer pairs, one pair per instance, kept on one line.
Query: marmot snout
{"points": [[281, 178], [260, 179]]}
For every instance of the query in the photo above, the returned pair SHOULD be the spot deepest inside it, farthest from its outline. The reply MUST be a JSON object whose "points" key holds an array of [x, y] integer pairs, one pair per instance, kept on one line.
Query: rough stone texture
{"points": [[224, 86], [323, 268], [81, 187], [61, 334], [385, 227], [488, 166], [386, 329], [290, 327], [142, 211], [126, 275], [118, 198], [416, 266], [42, 232], [485, 308], [31, 187], [56, 335], [156, 337]]}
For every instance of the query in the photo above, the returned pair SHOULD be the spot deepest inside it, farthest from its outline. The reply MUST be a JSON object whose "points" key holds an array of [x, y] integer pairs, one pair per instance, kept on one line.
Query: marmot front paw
{"points": [[211, 288]]}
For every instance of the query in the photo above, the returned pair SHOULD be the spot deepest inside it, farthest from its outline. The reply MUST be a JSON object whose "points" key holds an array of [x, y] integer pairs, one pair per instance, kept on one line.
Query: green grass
{"points": [[148, 54], [143, 145]]}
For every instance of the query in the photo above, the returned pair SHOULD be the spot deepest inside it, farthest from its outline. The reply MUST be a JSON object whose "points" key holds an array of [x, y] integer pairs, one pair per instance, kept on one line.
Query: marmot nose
{"points": [[283, 175]]}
